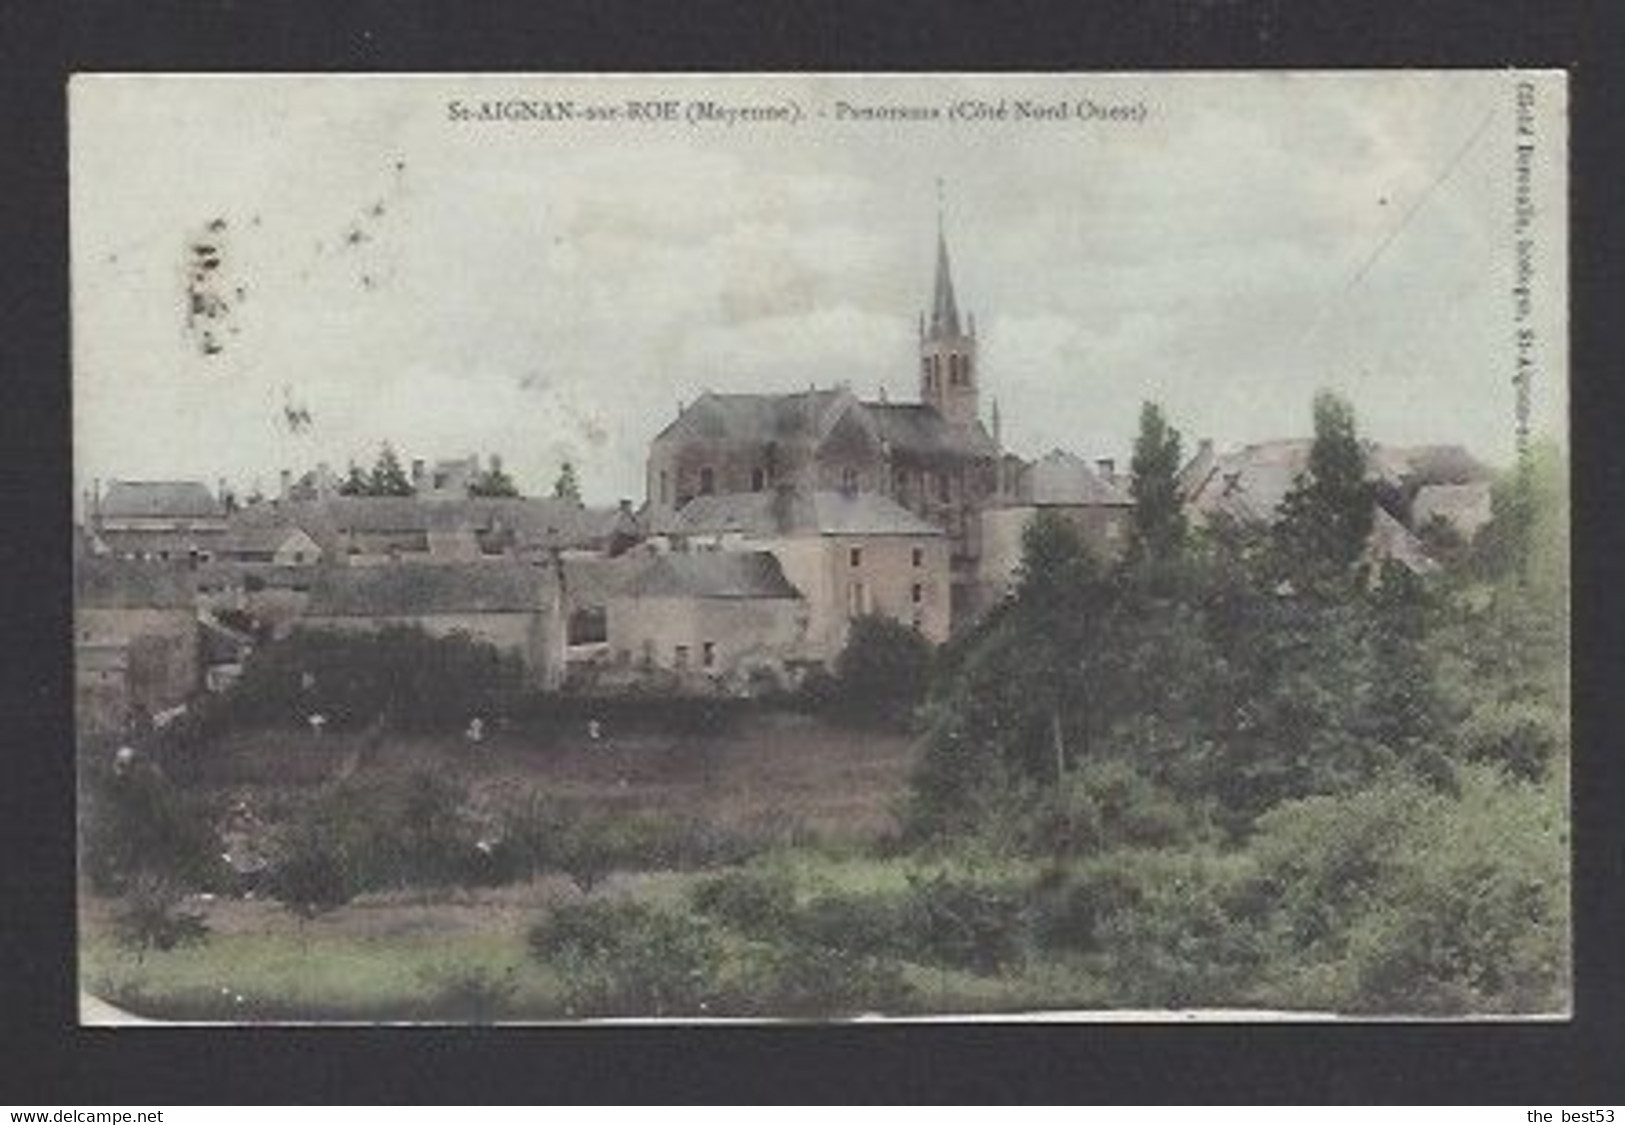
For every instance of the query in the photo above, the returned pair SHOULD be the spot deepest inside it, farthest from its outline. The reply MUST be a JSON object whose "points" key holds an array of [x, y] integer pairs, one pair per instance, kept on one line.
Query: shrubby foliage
{"points": [[881, 673], [1251, 755], [399, 675]]}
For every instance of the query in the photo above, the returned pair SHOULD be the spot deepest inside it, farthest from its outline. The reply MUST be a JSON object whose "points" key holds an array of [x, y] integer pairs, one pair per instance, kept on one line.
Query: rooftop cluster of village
{"points": [[771, 521]]}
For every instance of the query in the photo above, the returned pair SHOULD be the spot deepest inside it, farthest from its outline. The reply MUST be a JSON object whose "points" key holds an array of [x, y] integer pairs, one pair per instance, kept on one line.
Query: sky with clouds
{"points": [[551, 290]]}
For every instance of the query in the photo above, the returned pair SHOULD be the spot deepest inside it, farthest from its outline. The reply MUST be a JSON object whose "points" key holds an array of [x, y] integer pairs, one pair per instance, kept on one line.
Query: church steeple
{"points": [[948, 377], [944, 309]]}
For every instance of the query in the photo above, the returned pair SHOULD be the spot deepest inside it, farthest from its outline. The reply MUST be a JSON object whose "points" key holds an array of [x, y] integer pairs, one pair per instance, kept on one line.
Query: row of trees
{"points": [[387, 477]]}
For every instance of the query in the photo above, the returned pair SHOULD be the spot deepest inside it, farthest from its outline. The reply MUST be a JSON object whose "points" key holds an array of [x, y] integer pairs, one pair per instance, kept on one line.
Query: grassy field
{"points": [[784, 779]]}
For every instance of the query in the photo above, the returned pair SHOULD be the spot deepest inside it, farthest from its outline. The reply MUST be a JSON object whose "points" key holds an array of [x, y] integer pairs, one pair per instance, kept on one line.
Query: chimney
{"points": [[324, 480], [418, 481], [286, 487], [883, 399], [1107, 467], [626, 506], [96, 499], [1204, 448]]}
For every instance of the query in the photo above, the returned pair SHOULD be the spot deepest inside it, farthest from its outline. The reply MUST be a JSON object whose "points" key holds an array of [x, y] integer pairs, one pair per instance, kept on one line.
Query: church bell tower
{"points": [[948, 375]]}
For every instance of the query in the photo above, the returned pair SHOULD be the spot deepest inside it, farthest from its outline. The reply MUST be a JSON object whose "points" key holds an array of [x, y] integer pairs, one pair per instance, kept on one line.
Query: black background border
{"points": [[46, 1059]]}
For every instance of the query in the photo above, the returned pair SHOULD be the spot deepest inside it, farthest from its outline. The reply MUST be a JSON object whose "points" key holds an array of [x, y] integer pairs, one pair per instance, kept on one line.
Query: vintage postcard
{"points": [[821, 547]]}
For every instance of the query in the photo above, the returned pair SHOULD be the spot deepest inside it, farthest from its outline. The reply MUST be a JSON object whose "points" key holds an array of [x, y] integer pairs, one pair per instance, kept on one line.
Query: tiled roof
{"points": [[917, 429], [801, 417], [411, 589], [532, 521], [593, 581], [782, 512], [712, 574], [179, 499], [1062, 478], [177, 544], [1466, 506], [131, 584]]}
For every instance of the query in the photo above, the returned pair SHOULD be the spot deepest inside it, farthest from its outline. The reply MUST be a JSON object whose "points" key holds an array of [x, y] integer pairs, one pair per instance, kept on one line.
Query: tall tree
{"points": [[567, 487], [388, 478], [1326, 518], [493, 482], [355, 482], [1157, 530]]}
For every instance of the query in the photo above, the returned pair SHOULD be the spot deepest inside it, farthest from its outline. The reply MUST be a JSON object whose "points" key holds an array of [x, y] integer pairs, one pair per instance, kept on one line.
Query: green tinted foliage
{"points": [[751, 901], [1158, 529], [150, 917], [135, 822], [413, 680], [882, 672], [628, 958]]}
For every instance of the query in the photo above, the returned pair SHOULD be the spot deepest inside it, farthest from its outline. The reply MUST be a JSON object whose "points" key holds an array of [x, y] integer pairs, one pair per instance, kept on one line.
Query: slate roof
{"points": [[798, 417], [159, 499], [1390, 539], [729, 575], [102, 583], [591, 582], [917, 429], [256, 539], [531, 520], [784, 512], [1065, 479], [1466, 506], [1251, 482], [126, 541], [413, 589]]}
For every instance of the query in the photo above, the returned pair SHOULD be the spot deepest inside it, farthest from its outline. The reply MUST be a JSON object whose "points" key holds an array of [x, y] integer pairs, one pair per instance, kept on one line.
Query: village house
{"points": [[511, 605], [1250, 484], [135, 640], [1062, 483], [710, 621], [850, 554], [156, 521]]}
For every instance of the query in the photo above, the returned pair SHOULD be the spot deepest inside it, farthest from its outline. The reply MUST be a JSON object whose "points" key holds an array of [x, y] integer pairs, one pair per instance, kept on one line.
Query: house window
{"points": [[648, 654], [856, 599], [942, 487], [758, 480], [849, 479], [682, 657], [917, 593], [708, 654], [708, 481], [854, 556], [665, 485], [919, 556]]}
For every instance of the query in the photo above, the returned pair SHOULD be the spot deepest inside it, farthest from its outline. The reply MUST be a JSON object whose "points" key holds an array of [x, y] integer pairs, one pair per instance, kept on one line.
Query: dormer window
{"points": [[708, 481], [758, 480]]}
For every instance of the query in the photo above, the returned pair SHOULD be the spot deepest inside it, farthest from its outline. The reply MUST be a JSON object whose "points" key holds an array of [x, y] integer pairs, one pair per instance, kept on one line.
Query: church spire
{"points": [[944, 308]]}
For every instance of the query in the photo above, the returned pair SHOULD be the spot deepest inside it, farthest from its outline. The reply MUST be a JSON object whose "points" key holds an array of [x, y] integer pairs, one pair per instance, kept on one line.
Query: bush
{"points": [[151, 918], [1520, 739], [310, 878], [1193, 934], [753, 902], [414, 680], [800, 978], [967, 924], [1071, 909], [1401, 901], [135, 822], [873, 924], [882, 672], [628, 959]]}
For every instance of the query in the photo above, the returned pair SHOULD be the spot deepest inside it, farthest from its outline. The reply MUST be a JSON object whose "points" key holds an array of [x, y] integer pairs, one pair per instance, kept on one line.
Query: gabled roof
{"points": [[731, 575], [1390, 540], [413, 589], [131, 584], [258, 539], [591, 582], [1064, 479], [797, 418], [788, 512], [159, 499], [916, 428]]}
